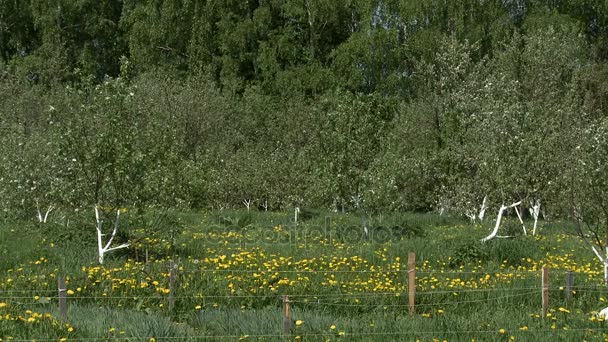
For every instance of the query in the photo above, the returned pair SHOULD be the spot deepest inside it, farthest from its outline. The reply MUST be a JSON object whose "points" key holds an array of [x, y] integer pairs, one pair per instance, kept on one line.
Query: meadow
{"points": [[231, 269]]}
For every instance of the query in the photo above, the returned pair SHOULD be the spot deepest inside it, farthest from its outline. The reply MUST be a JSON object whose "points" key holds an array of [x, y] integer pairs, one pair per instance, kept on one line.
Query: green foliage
{"points": [[508, 252], [78, 232], [468, 252], [137, 324], [235, 222], [321, 104], [513, 252]]}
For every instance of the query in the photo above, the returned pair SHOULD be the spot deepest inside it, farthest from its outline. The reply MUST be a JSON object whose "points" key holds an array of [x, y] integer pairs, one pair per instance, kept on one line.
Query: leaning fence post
{"points": [[63, 307], [545, 289], [286, 315], [569, 284], [411, 261], [171, 284]]}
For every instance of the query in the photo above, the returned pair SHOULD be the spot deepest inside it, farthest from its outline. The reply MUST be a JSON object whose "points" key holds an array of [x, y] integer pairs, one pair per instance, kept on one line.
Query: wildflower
{"points": [[299, 322], [70, 292], [332, 327], [502, 331], [198, 307], [564, 310]]}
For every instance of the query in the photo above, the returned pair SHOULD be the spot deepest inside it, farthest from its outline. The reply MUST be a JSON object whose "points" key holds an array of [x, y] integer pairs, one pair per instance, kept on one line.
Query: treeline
{"points": [[388, 105]]}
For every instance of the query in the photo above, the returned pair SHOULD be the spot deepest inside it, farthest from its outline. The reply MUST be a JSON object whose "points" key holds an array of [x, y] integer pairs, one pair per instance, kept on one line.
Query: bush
{"points": [[468, 251], [512, 252]]}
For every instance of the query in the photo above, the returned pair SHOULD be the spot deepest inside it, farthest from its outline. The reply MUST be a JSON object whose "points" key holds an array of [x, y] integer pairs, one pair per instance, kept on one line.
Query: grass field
{"points": [[232, 268]]}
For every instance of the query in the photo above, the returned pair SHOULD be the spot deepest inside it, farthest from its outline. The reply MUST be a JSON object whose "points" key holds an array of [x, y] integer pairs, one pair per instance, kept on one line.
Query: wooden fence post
{"points": [[545, 289], [63, 307], [146, 265], [171, 284], [286, 315], [569, 284], [411, 261]]}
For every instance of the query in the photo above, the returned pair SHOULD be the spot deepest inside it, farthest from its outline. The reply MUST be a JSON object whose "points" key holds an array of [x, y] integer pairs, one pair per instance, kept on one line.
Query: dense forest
{"points": [[381, 104]]}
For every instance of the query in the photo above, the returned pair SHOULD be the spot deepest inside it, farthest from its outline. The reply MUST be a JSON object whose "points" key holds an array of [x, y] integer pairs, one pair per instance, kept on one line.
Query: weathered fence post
{"points": [[171, 285], [63, 307], [569, 284], [545, 289], [411, 261], [286, 315]]}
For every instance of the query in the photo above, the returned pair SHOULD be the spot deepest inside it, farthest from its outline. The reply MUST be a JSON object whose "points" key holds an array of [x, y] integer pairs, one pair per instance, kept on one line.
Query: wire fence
{"points": [[580, 288], [347, 300]]}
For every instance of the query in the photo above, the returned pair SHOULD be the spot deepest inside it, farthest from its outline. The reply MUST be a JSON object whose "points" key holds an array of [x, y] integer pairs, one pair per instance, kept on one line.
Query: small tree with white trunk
{"points": [[43, 218], [102, 248]]}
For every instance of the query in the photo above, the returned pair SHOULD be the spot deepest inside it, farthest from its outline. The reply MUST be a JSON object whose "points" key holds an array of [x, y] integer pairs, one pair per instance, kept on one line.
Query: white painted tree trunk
{"points": [[101, 249], [43, 219], [604, 260], [484, 207], [501, 211], [535, 211], [520, 220], [603, 314], [247, 203], [471, 215], [296, 211]]}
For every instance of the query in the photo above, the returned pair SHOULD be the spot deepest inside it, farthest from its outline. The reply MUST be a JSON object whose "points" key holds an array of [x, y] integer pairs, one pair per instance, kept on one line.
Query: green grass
{"points": [[234, 266]]}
